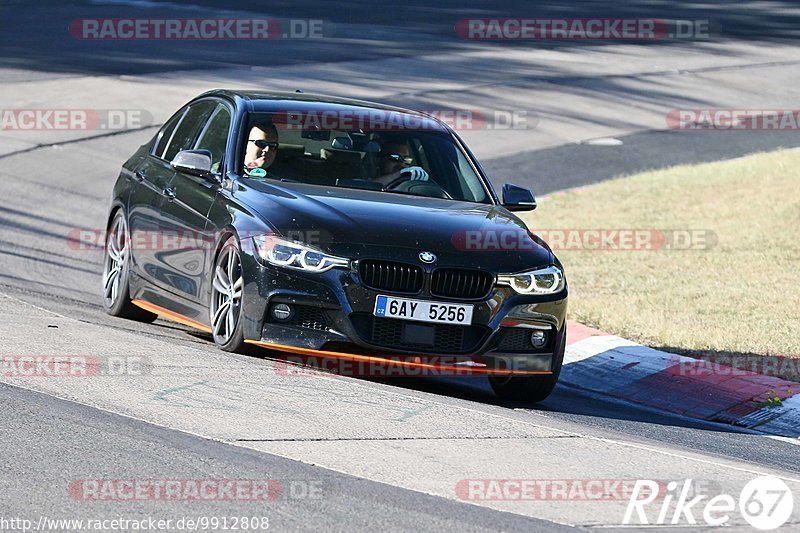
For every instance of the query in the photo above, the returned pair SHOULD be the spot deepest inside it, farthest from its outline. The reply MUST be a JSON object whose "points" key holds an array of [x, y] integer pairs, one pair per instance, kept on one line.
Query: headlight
{"points": [[290, 254], [546, 280]]}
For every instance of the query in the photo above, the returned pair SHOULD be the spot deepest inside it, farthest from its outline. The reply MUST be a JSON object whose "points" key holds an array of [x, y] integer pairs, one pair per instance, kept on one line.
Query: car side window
{"points": [[214, 136], [187, 130], [165, 134]]}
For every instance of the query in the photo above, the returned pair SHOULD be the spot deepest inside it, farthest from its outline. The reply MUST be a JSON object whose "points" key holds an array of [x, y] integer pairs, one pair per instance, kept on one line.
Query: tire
{"points": [[532, 389], [225, 305], [116, 273]]}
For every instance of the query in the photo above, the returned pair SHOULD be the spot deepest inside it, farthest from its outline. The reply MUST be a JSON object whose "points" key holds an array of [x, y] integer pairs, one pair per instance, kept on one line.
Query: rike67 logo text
{"points": [[766, 503]]}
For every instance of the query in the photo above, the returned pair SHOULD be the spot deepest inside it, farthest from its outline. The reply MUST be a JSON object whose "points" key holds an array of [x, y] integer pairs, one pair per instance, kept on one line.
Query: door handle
{"points": [[139, 175], [169, 193]]}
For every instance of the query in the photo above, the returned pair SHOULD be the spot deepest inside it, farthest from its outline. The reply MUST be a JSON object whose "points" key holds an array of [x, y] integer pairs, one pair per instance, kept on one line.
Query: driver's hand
{"points": [[415, 174]]}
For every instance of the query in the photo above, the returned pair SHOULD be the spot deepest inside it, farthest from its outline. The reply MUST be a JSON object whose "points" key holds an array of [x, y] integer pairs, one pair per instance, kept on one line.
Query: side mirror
{"points": [[518, 198], [194, 162]]}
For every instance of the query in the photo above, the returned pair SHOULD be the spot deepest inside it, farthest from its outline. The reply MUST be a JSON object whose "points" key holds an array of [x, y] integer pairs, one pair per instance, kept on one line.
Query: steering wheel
{"points": [[420, 188]]}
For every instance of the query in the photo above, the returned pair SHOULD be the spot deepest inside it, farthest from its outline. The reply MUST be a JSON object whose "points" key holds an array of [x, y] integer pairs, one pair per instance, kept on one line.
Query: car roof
{"points": [[274, 101]]}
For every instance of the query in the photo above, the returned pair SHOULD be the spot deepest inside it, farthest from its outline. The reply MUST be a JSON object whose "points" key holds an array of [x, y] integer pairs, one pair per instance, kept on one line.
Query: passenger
{"points": [[395, 159]]}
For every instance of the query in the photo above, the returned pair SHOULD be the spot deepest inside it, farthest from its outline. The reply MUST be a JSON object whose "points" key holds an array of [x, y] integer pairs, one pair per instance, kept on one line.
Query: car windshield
{"points": [[405, 155]]}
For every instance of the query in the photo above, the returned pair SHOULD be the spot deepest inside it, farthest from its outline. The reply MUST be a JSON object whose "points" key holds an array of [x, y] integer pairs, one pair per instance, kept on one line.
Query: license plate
{"points": [[423, 311]]}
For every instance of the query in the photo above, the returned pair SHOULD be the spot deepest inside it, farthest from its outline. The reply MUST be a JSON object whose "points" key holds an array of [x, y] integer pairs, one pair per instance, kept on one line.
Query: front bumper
{"points": [[333, 314]]}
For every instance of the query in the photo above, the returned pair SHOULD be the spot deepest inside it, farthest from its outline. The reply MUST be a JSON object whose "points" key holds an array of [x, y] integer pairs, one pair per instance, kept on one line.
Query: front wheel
{"points": [[532, 389], [226, 298], [116, 272]]}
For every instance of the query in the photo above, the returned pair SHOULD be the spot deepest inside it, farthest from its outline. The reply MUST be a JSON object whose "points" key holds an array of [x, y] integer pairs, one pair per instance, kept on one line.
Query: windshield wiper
{"points": [[407, 193], [355, 183]]}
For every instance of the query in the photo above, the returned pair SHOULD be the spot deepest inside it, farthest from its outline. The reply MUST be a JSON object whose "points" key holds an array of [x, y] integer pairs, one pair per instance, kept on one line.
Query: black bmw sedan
{"points": [[339, 228]]}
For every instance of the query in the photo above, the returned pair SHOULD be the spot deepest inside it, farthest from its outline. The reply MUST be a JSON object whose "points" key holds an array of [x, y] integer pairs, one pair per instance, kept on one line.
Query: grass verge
{"points": [[735, 291]]}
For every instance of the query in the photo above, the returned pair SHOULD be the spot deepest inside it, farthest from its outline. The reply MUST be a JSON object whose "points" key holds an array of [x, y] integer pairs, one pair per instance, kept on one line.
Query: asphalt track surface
{"points": [[59, 434], [137, 447]]}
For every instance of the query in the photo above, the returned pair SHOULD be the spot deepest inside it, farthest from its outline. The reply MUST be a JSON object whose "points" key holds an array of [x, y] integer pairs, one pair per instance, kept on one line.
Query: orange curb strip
{"points": [[461, 370]]}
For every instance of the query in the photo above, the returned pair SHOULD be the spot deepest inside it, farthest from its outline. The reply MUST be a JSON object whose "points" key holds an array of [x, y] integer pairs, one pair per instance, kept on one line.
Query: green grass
{"points": [[740, 296]]}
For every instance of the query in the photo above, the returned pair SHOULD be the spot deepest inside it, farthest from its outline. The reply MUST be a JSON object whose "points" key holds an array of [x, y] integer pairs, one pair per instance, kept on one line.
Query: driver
{"points": [[394, 161], [262, 147]]}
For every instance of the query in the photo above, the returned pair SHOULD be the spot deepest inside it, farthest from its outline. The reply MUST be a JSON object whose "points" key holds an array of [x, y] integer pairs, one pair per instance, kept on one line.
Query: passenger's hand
{"points": [[415, 174]]}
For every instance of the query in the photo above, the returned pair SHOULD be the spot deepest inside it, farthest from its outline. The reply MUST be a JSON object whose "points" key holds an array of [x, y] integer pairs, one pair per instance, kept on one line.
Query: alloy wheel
{"points": [[116, 255], [226, 294]]}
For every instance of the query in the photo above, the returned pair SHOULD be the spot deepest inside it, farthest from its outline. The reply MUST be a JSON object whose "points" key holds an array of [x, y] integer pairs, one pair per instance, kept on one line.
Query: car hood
{"points": [[359, 223]]}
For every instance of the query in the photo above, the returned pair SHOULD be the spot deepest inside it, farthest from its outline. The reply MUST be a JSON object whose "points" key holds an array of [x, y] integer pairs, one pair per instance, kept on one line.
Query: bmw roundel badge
{"points": [[427, 257]]}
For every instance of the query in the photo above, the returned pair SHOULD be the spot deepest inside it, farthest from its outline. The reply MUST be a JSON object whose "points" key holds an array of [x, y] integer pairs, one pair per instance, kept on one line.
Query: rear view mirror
{"points": [[518, 198], [194, 162], [342, 143]]}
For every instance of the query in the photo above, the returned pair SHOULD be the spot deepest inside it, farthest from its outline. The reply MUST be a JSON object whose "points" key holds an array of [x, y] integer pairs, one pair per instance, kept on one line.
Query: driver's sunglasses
{"points": [[397, 157], [263, 143]]}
